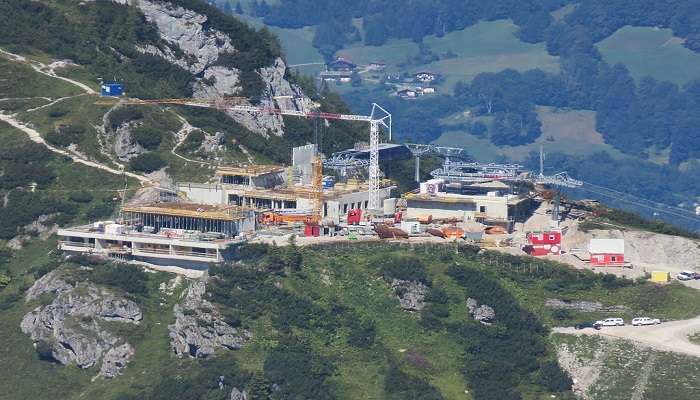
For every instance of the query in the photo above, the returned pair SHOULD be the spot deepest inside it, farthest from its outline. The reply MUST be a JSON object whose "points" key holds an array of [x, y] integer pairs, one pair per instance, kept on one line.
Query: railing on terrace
{"points": [[135, 234], [176, 252], [76, 244]]}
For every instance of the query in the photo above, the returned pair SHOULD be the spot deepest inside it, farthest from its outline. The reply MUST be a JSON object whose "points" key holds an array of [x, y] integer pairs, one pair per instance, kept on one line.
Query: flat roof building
{"points": [[178, 234], [492, 207]]}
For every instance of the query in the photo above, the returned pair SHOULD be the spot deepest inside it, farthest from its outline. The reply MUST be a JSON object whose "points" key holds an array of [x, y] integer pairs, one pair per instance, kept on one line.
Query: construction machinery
{"points": [[315, 193], [378, 117]]}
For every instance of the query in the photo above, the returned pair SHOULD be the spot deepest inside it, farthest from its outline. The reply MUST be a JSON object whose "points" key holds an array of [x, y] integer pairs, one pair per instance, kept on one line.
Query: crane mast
{"points": [[378, 118]]}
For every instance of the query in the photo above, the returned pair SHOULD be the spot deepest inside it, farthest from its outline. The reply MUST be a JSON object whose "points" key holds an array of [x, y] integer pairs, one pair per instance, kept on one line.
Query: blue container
{"points": [[112, 89], [328, 182]]}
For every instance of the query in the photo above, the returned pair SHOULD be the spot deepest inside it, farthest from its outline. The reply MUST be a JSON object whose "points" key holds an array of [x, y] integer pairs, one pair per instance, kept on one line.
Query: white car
{"points": [[685, 275], [611, 322], [645, 321]]}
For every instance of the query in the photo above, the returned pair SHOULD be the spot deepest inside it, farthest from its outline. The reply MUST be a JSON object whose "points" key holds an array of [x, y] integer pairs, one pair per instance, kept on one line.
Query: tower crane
{"points": [[377, 118]]}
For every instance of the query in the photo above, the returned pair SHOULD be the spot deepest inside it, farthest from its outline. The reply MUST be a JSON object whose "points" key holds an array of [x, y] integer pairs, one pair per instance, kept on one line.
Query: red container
{"points": [[354, 216]]}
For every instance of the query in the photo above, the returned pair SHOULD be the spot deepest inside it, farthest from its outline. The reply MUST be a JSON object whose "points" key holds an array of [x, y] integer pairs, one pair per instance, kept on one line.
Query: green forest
{"points": [[326, 324]]}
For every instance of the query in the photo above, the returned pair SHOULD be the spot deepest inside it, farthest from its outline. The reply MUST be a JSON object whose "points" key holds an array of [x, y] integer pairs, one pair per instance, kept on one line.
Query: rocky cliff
{"points": [[194, 45], [199, 330], [70, 330]]}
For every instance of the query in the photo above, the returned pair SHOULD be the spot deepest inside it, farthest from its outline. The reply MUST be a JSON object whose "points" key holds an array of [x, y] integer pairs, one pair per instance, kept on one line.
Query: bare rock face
{"points": [[52, 282], [218, 80], [411, 294], [199, 330], [70, 324], [124, 147], [482, 313], [585, 306], [115, 360], [237, 394], [187, 31], [197, 47]]}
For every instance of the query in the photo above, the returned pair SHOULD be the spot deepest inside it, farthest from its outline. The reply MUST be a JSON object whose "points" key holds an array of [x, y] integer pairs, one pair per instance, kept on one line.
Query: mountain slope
{"points": [[157, 49]]}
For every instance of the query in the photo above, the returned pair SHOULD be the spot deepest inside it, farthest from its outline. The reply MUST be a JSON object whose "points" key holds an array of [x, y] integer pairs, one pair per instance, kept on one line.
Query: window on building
{"points": [[366, 204], [345, 208], [482, 209], [613, 258], [352, 206]]}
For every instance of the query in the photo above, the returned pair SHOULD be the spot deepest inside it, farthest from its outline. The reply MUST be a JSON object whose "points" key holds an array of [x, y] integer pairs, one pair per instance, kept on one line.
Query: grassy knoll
{"points": [[653, 52], [20, 80]]}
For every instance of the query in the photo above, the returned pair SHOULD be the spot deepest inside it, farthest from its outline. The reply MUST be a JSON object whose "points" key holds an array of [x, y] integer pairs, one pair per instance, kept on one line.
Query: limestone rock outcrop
{"points": [[411, 294], [194, 45], [199, 330], [482, 313], [70, 326]]}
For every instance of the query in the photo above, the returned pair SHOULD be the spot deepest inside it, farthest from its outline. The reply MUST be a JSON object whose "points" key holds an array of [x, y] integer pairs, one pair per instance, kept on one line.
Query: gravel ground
{"points": [[668, 336]]}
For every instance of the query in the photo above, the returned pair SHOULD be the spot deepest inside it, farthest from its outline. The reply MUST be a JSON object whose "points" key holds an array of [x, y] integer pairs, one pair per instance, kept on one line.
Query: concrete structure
{"points": [[492, 207], [339, 76], [607, 252], [178, 234], [302, 163], [261, 188], [254, 176]]}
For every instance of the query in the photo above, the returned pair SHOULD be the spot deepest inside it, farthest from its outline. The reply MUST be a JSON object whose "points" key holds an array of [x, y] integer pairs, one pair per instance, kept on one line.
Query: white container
{"points": [[410, 227], [423, 187], [115, 229]]}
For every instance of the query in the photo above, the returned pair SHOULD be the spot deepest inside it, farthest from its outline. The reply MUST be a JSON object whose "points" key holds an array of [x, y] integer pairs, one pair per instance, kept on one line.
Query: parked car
{"points": [[686, 275], [611, 322], [645, 321], [584, 325]]}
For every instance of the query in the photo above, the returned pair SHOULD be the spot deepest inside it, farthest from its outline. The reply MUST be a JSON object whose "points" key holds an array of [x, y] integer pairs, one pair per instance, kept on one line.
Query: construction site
{"points": [[344, 196]]}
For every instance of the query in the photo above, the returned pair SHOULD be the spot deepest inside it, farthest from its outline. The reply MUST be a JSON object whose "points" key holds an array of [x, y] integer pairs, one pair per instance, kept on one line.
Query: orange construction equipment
{"points": [[276, 218], [425, 219], [453, 232]]}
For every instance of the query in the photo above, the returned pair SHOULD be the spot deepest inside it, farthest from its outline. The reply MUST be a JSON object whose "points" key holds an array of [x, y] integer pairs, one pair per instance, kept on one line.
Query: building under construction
{"points": [[190, 235], [292, 189]]}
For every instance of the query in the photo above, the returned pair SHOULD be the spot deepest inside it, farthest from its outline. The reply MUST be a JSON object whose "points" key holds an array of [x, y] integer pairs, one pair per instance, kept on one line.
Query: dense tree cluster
{"points": [[602, 18], [412, 19]]}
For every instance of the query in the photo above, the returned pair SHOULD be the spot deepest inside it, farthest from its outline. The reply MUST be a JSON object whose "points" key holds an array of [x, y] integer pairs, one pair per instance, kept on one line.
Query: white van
{"points": [[645, 321], [611, 322]]}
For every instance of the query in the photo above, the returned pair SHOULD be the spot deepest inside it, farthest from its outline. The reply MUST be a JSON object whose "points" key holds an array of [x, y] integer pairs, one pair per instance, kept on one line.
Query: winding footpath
{"points": [[41, 68], [34, 136], [37, 138]]}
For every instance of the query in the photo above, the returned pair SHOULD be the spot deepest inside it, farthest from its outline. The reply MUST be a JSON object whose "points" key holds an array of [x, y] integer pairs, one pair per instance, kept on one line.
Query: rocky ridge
{"points": [[199, 330], [70, 325]]}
